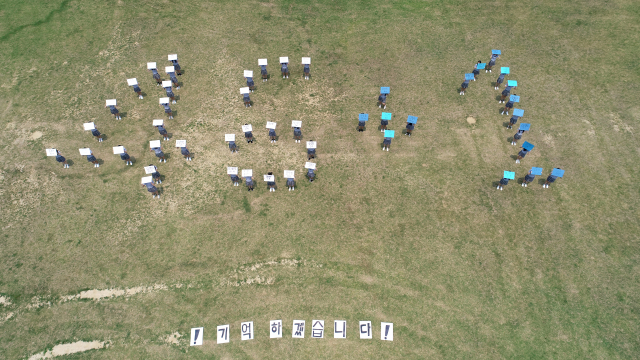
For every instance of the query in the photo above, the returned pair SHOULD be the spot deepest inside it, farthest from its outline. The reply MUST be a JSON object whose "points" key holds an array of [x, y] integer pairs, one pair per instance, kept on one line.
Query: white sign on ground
{"points": [[298, 329], [386, 331], [275, 329], [246, 330], [223, 334], [196, 334], [317, 329], [340, 329], [365, 330]]}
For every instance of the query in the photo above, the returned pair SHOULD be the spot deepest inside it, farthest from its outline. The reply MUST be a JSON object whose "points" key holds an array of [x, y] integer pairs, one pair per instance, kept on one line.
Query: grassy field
{"points": [[417, 236]]}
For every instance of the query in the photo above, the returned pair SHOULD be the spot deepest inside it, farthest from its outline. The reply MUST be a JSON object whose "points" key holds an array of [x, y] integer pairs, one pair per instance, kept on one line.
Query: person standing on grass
{"points": [[311, 153], [97, 134], [297, 134], [248, 135], [529, 177], [235, 179], [174, 79], [306, 71], [167, 110], [382, 101], [464, 86], [92, 159], [125, 156], [311, 174], [114, 111], [291, 184], [285, 70], [410, 127], [251, 84], [521, 155], [508, 106], [249, 182], [272, 135], [555, 173], [264, 73], [361, 125], [185, 152], [61, 159], [167, 87], [136, 88], [506, 92], [476, 72], [163, 132], [233, 147], [384, 122], [155, 175], [159, 154], [512, 121], [503, 182], [152, 189], [176, 66], [271, 184], [492, 62], [156, 76], [516, 137], [247, 100], [386, 143], [499, 81]]}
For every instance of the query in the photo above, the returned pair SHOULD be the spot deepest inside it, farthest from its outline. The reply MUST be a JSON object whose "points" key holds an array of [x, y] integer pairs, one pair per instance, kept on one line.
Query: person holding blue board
{"points": [[531, 175], [517, 136], [504, 71], [467, 77], [411, 122], [517, 113], [505, 93], [495, 54], [555, 173], [526, 148], [476, 70], [508, 175], [362, 121], [386, 143], [382, 99], [509, 105], [384, 121]]}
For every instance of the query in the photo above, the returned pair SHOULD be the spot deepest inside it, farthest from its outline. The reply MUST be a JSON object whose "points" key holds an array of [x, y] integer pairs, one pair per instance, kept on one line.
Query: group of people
{"points": [[509, 100], [284, 70]]}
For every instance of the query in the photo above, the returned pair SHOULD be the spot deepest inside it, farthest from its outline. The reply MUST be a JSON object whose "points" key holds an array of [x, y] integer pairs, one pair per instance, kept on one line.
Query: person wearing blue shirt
{"points": [[285, 70], [517, 136], [97, 134], [521, 155], [156, 76], [249, 182], [159, 154], [61, 159], [271, 184], [505, 93], [291, 184], [272, 135], [311, 153], [492, 62], [176, 67], [248, 135], [410, 128], [264, 73], [152, 189], [233, 147], [156, 175], [383, 125], [503, 182], [163, 132], [306, 71], [235, 179], [174, 79], [251, 84], [297, 134], [476, 72], [170, 94], [185, 152], [138, 91], [382, 101], [247, 100], [311, 174], [92, 159], [464, 87], [386, 143], [528, 178], [114, 111], [361, 125], [508, 106], [125, 156], [167, 110], [499, 81], [550, 180]]}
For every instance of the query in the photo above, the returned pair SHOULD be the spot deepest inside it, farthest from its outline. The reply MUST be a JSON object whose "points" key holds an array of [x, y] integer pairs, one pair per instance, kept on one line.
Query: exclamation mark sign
{"points": [[386, 331], [195, 337]]}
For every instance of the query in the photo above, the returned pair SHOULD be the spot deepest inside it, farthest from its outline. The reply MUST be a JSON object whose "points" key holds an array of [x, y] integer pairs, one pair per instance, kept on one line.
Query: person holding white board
{"points": [[271, 181], [170, 70], [247, 174], [311, 149], [167, 87], [91, 126], [164, 102], [291, 183], [248, 134], [297, 133], [245, 96], [271, 126], [233, 174], [311, 171], [151, 66], [157, 149], [90, 157], [148, 183], [248, 74], [306, 61], [174, 60], [231, 138], [120, 150], [134, 82], [182, 144], [263, 69], [153, 171], [284, 66], [159, 124], [111, 104], [59, 157]]}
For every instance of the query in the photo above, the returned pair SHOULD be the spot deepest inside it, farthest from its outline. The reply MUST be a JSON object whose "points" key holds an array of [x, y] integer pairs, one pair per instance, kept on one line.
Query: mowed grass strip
{"points": [[417, 236]]}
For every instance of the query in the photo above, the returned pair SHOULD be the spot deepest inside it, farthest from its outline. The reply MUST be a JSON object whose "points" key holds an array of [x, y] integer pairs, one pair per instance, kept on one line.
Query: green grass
{"points": [[417, 236]]}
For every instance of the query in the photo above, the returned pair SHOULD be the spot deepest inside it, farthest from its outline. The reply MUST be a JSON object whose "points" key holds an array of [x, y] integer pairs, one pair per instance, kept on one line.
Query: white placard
{"points": [[151, 66], [196, 336], [149, 169], [284, 59], [89, 126], [172, 57], [232, 170], [289, 174], [296, 123], [247, 172], [262, 62], [166, 83], [317, 329], [275, 329], [246, 330], [118, 150], [223, 334], [158, 122], [365, 330], [132, 82], [164, 100], [306, 61], [229, 137], [386, 331], [146, 180], [310, 165], [85, 151], [244, 90], [51, 152], [246, 128], [248, 73], [154, 144], [181, 143], [271, 125], [169, 69], [340, 329], [111, 102], [269, 178], [298, 329], [311, 144]]}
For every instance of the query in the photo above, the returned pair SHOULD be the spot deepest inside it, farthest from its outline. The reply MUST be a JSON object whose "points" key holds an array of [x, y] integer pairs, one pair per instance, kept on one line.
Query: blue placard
{"points": [[527, 146], [496, 52], [518, 112], [389, 133], [536, 171], [525, 127], [385, 90], [363, 117], [513, 83], [468, 76], [509, 175], [412, 119], [557, 172], [504, 70], [481, 66], [514, 98], [385, 116]]}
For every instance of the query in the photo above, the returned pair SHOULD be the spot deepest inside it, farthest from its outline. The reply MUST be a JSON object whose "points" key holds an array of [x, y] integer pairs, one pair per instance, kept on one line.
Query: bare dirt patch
{"points": [[71, 348], [36, 135], [471, 120]]}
